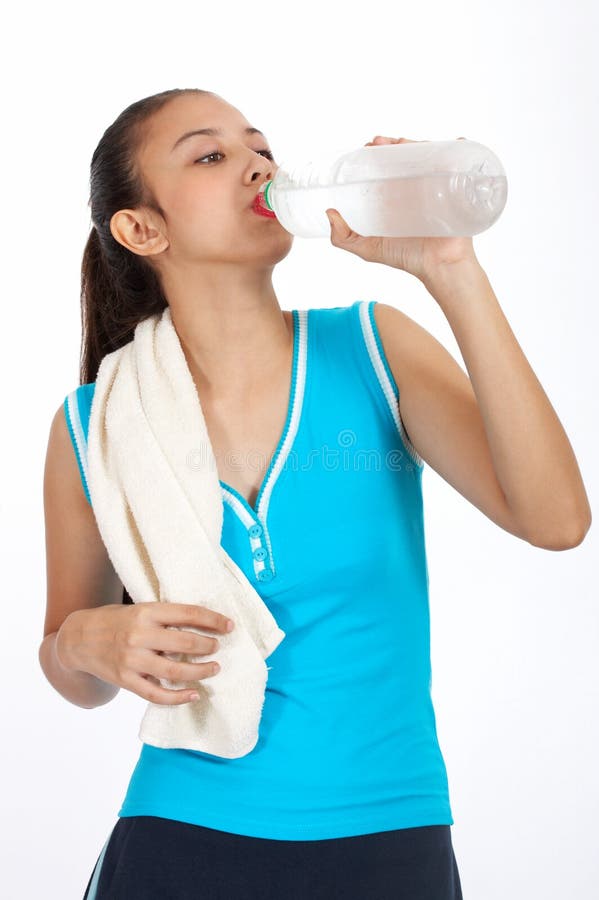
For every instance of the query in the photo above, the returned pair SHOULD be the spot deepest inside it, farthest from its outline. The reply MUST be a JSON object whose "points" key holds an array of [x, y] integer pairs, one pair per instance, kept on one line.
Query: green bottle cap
{"points": [[266, 190]]}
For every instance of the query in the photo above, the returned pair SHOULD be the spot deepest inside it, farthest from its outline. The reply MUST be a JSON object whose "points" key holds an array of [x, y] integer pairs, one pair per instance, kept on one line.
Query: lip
{"points": [[260, 209]]}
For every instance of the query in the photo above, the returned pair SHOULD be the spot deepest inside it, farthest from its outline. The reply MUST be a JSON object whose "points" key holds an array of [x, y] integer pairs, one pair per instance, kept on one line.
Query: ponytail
{"points": [[117, 292], [119, 288]]}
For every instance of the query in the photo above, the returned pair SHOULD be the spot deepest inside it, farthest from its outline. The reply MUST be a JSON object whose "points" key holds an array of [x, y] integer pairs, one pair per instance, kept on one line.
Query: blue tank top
{"points": [[335, 547]]}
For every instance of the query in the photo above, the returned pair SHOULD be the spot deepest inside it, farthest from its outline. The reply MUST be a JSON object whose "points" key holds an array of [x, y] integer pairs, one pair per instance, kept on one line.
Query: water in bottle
{"points": [[420, 189]]}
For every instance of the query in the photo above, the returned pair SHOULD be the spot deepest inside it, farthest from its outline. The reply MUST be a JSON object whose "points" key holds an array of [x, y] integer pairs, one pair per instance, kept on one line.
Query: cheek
{"points": [[201, 227], [196, 208]]}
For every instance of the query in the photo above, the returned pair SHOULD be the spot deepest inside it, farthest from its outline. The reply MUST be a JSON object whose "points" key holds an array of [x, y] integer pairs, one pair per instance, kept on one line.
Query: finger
{"points": [[164, 666], [187, 614], [150, 689], [173, 671], [188, 641]]}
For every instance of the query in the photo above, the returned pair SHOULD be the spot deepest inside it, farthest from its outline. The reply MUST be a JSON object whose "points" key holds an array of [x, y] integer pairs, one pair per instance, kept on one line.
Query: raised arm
{"points": [[494, 436]]}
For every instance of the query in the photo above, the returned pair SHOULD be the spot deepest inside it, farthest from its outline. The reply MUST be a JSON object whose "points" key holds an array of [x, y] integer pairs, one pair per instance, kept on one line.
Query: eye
{"points": [[267, 152]]}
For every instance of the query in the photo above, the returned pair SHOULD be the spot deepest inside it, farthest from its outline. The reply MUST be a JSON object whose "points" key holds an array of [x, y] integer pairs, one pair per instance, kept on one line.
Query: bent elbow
{"points": [[565, 540]]}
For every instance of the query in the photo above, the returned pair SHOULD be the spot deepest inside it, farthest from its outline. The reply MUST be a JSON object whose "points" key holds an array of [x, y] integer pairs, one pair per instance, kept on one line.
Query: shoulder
{"points": [[68, 436], [410, 349], [62, 481], [77, 407], [71, 412]]}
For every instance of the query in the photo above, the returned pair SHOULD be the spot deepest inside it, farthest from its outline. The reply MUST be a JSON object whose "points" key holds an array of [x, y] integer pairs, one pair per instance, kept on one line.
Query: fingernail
{"points": [[230, 625]]}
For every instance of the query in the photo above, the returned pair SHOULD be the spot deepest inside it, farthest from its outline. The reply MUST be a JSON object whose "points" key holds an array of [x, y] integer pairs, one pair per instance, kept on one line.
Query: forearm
{"points": [[532, 456], [78, 687]]}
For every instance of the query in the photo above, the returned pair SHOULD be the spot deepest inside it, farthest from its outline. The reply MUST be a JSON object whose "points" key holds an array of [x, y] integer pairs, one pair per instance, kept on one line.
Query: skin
{"points": [[216, 259], [492, 433], [215, 256]]}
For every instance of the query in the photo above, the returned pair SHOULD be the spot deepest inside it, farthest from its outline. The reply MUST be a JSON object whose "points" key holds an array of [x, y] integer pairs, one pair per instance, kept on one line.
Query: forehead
{"points": [[185, 113]]}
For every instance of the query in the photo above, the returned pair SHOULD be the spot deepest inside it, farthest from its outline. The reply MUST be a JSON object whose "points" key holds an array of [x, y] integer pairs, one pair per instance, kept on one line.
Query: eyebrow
{"points": [[189, 134]]}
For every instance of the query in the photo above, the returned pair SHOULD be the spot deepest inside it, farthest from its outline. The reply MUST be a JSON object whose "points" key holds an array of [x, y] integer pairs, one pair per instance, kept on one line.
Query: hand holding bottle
{"points": [[420, 256]]}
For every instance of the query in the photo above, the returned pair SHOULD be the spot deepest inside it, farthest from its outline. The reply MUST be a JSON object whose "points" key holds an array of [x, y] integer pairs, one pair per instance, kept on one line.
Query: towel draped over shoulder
{"points": [[156, 496]]}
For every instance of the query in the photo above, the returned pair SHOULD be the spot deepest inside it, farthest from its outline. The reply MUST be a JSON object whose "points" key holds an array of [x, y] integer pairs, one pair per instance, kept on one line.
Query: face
{"points": [[205, 184]]}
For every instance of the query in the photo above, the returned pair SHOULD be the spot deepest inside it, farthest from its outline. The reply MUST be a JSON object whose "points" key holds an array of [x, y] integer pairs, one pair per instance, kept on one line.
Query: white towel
{"points": [[157, 499]]}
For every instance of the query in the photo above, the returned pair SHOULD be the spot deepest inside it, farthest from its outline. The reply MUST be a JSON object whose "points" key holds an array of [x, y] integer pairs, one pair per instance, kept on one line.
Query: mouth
{"points": [[259, 208]]}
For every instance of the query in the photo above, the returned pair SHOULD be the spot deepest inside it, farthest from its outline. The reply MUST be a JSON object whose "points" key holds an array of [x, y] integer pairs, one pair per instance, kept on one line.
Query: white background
{"points": [[514, 627]]}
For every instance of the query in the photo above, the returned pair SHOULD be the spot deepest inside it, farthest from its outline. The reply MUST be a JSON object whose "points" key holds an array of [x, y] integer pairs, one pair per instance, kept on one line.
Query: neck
{"points": [[235, 339]]}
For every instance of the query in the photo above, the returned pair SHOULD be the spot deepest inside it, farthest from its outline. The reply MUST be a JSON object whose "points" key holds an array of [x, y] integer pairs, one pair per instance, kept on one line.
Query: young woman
{"points": [[346, 792]]}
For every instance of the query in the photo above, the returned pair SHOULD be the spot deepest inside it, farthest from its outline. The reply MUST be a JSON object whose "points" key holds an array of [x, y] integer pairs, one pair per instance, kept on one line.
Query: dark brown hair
{"points": [[119, 288]]}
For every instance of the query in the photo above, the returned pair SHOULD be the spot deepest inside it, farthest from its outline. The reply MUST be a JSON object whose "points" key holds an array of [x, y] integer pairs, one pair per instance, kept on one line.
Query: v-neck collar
{"points": [[294, 409]]}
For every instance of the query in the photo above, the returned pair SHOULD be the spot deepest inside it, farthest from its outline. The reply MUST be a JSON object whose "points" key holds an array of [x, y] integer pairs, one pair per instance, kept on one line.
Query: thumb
{"points": [[343, 236], [340, 230]]}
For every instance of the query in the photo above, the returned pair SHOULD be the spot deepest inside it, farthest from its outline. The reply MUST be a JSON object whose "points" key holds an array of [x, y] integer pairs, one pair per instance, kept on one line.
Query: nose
{"points": [[267, 170], [266, 174]]}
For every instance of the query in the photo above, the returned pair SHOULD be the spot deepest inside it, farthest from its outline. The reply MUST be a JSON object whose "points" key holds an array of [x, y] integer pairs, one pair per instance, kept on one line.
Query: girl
{"points": [[346, 792]]}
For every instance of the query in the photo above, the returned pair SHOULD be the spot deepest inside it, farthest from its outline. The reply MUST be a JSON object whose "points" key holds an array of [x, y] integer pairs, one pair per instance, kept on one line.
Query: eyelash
{"points": [[216, 153]]}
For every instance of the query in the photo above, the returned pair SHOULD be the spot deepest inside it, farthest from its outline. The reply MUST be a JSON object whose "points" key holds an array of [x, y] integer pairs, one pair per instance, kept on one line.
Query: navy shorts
{"points": [[153, 858]]}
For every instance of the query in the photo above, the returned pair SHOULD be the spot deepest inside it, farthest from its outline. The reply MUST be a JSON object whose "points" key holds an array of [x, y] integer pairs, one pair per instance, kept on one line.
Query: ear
{"points": [[138, 231]]}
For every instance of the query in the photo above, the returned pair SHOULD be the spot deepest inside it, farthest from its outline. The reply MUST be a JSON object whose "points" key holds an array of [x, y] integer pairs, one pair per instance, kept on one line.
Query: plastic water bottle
{"points": [[421, 189]]}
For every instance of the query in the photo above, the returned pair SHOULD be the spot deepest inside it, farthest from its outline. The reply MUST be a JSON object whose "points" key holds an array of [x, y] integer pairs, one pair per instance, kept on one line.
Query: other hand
{"points": [[125, 645]]}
